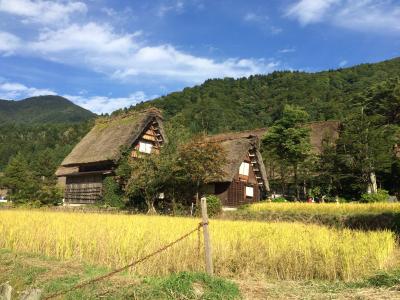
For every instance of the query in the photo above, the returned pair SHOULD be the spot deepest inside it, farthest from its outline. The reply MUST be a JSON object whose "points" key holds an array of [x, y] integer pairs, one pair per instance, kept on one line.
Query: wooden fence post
{"points": [[207, 241]]}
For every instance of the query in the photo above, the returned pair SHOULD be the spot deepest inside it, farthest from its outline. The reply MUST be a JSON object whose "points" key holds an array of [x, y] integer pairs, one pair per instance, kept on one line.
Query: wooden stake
{"points": [[207, 241]]}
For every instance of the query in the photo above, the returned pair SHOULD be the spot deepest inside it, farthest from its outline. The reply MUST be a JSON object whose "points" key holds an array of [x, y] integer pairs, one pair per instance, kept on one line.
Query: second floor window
{"points": [[145, 147], [244, 169]]}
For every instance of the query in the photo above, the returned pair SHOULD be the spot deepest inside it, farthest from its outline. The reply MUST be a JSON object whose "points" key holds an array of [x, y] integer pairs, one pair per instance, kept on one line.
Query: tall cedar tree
{"points": [[20, 180], [365, 147], [201, 162], [383, 100], [289, 139]]}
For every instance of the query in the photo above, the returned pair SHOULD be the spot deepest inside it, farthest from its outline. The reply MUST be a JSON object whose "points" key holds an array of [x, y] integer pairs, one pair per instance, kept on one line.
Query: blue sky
{"points": [[104, 55]]}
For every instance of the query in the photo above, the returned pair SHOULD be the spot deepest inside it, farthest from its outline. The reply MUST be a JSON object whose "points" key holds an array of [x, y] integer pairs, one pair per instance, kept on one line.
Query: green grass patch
{"points": [[188, 286]]}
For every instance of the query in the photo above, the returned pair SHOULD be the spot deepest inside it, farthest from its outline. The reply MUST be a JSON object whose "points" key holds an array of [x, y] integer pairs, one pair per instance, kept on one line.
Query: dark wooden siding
{"points": [[234, 193], [84, 189]]}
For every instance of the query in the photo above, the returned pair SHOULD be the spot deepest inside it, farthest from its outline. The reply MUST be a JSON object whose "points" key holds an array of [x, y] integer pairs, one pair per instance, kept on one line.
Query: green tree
{"points": [[200, 162], [148, 179], [383, 99], [289, 140], [20, 180], [365, 148]]}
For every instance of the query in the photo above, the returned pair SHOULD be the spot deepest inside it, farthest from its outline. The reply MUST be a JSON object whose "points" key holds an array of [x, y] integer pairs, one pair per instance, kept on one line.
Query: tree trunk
{"points": [[150, 206], [197, 195], [296, 182], [372, 186]]}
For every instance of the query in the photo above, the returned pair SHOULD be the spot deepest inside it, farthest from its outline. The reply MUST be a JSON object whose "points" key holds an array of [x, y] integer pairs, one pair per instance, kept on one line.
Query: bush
{"points": [[278, 200], [50, 195], [380, 196], [112, 194], [214, 205]]}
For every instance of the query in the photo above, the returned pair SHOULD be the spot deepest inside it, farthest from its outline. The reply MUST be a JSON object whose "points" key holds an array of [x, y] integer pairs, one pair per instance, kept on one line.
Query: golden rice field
{"points": [[257, 249], [324, 208]]}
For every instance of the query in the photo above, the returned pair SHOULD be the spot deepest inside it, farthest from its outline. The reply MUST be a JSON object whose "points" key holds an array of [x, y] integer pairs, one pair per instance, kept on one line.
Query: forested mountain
{"points": [[44, 126], [42, 109], [37, 133], [220, 105]]}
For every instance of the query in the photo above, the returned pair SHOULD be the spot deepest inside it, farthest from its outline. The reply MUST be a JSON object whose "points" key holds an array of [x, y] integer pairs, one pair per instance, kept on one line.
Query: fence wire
{"points": [[144, 258]]}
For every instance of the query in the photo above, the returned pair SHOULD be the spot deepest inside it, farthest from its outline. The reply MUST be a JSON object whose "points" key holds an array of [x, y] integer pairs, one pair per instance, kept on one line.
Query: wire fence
{"points": [[140, 260]]}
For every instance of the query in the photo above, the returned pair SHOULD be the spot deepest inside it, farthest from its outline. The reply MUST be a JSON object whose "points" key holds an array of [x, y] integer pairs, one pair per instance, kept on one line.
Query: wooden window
{"points": [[145, 147], [244, 169], [249, 191]]}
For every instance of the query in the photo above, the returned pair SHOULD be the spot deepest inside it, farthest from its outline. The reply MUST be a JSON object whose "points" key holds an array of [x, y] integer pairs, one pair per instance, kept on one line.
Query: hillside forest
{"points": [[365, 99]]}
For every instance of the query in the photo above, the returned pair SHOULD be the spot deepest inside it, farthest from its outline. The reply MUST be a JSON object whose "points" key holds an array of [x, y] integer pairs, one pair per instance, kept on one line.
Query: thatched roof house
{"points": [[245, 180], [95, 156], [322, 131]]}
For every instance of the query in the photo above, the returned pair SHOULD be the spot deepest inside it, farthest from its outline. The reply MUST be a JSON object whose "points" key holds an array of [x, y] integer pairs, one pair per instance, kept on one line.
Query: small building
{"points": [[95, 156], [245, 180]]}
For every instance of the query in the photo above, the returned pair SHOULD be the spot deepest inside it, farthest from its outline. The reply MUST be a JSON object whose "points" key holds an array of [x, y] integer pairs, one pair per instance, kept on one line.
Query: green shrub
{"points": [[380, 196], [214, 205], [279, 200], [112, 195]]}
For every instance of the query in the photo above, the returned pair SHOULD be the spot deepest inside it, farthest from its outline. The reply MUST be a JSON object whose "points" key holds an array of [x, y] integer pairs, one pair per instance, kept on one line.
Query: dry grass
{"points": [[325, 208], [274, 250]]}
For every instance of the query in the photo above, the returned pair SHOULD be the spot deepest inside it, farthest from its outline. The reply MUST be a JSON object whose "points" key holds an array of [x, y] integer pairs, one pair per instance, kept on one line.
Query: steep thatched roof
{"points": [[104, 141], [236, 146], [62, 171], [320, 131]]}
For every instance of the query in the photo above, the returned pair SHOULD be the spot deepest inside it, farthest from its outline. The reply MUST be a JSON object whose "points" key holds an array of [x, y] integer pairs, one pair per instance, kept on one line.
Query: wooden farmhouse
{"points": [[94, 157], [245, 180]]}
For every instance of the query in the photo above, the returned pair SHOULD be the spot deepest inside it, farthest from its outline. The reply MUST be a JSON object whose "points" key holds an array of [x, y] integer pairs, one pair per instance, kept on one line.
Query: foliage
{"points": [[380, 196], [325, 208], [20, 180], [112, 194], [256, 249], [289, 140], [278, 200], [42, 109], [49, 194], [371, 216], [184, 285], [147, 179], [383, 99], [214, 205], [365, 147], [220, 105], [200, 162]]}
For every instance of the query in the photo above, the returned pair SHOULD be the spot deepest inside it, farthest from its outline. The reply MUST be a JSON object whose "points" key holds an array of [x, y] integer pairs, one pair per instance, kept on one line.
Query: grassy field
{"points": [[240, 249], [325, 208], [375, 216], [24, 271]]}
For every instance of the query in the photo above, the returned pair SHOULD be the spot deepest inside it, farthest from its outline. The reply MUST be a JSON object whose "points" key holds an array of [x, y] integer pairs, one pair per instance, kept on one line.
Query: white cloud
{"points": [[287, 50], [176, 6], [12, 90], [123, 56], [343, 63], [97, 104], [101, 104], [252, 17], [370, 15], [8, 43], [262, 21], [41, 11], [381, 16], [310, 11]]}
